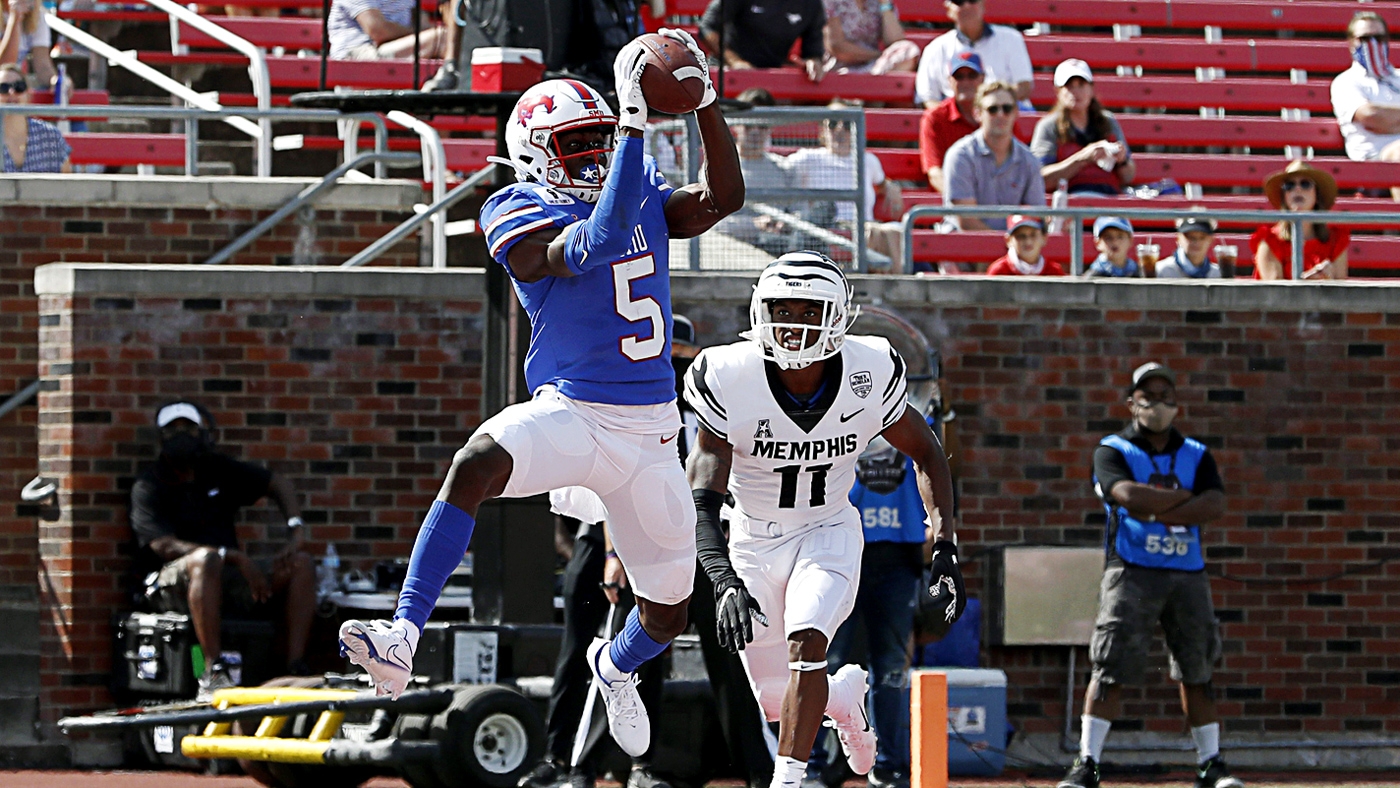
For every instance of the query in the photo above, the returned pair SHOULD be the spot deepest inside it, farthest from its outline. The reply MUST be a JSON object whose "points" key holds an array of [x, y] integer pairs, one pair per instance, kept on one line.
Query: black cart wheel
{"points": [[417, 727], [490, 735]]}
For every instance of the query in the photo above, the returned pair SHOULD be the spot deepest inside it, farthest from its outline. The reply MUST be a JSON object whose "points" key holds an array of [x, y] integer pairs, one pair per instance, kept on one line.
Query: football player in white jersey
{"points": [[783, 417]]}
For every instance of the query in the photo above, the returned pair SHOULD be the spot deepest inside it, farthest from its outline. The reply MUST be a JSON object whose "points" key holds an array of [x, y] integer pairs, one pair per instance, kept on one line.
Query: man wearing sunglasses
{"points": [[1366, 97], [1001, 48], [990, 166]]}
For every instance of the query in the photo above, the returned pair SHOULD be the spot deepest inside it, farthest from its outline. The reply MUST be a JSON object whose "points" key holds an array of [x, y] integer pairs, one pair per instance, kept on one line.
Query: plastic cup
{"points": [[1227, 255], [1148, 255]]}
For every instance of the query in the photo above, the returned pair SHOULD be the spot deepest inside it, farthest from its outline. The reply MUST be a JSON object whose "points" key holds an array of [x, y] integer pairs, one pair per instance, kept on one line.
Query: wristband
{"points": [[886, 7], [612, 554]]}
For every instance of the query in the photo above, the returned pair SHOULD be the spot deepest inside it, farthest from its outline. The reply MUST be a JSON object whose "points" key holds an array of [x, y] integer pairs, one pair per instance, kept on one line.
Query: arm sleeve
{"points": [[704, 396], [712, 20], [1110, 467], [930, 154], [813, 39], [930, 79], [957, 173], [353, 8], [605, 235], [513, 213], [1207, 475], [1018, 57], [874, 170], [1035, 184], [711, 550], [1346, 98], [895, 395], [146, 522], [1045, 142]]}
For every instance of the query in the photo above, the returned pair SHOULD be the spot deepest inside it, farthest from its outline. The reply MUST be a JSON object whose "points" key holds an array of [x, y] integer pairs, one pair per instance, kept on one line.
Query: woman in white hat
{"points": [[1079, 141], [1296, 188]]}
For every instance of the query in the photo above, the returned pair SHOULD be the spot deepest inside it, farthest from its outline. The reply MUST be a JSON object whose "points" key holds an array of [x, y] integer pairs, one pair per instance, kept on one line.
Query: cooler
{"points": [[976, 721], [501, 69]]}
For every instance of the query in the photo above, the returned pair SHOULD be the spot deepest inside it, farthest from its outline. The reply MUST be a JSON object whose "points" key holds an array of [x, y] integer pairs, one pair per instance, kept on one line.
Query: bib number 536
{"points": [[1166, 545]]}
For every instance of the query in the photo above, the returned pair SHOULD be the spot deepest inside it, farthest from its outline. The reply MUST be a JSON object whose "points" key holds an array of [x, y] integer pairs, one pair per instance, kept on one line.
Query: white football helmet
{"points": [[545, 110], [806, 276]]}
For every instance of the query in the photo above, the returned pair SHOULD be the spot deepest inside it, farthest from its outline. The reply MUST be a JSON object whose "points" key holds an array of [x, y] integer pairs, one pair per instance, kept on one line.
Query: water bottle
{"points": [[233, 663], [1060, 199], [62, 96], [328, 573]]}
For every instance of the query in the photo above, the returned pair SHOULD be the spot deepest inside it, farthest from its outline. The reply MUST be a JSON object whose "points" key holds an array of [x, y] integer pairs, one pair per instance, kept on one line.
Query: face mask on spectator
{"points": [[1373, 53], [182, 450], [1156, 417]]}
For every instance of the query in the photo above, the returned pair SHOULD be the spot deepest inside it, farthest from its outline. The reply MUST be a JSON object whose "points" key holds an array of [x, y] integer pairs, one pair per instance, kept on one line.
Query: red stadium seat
{"points": [[123, 150], [463, 155], [1251, 94], [1309, 15], [305, 72], [790, 83], [289, 32], [1185, 54]]}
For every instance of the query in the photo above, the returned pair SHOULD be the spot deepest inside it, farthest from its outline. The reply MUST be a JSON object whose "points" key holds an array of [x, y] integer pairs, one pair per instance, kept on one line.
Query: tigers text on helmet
{"points": [[542, 113], [805, 276]]}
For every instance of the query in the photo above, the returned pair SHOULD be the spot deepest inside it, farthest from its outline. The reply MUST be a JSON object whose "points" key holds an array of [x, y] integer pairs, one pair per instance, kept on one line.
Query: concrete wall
{"points": [[359, 384]]}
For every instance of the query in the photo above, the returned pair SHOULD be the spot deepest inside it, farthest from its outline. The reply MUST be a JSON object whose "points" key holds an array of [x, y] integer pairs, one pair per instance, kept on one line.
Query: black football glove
{"points": [[946, 583], [734, 615]]}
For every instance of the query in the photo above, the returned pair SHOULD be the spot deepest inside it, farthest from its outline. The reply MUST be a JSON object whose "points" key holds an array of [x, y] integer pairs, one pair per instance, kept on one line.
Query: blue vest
{"points": [[1154, 545], [897, 516]]}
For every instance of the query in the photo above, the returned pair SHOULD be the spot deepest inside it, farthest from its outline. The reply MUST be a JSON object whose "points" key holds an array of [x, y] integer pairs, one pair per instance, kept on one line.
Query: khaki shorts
{"points": [[1132, 601], [172, 591]]}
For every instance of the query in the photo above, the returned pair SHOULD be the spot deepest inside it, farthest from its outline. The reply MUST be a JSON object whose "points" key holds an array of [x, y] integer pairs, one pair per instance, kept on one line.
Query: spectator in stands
{"points": [[1002, 49], [1080, 142], [760, 35], [991, 166], [833, 166], [1366, 97], [376, 29], [1194, 236], [762, 169], [183, 511], [952, 119], [1025, 239], [1113, 236], [865, 37], [1297, 188], [24, 33], [30, 144]]}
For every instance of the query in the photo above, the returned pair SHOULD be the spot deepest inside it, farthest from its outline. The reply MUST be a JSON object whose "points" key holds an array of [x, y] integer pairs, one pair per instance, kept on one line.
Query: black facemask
{"points": [[182, 450]]}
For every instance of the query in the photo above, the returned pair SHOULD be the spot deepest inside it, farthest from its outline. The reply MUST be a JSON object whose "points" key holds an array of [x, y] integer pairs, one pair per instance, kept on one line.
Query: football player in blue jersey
{"points": [[584, 235]]}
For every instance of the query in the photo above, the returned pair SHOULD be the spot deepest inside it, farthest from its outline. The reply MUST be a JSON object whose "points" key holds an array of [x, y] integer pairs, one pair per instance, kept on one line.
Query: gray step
{"points": [[18, 716], [19, 674]]}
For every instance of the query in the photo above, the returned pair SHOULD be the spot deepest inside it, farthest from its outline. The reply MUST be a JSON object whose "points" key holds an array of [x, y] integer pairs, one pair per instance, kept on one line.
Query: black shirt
{"points": [[202, 511], [762, 31], [1111, 467]]}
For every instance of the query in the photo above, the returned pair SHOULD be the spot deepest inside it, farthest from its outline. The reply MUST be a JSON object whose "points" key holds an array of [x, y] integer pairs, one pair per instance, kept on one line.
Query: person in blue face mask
{"points": [[1366, 97]]}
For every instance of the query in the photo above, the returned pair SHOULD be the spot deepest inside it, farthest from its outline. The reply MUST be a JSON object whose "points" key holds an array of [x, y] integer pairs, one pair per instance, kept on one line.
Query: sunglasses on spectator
{"points": [[14, 87], [1381, 37], [999, 109], [1305, 184], [964, 2]]}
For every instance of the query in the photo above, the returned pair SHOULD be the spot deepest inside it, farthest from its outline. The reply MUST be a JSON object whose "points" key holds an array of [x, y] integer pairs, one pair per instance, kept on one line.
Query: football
{"points": [[673, 81]]}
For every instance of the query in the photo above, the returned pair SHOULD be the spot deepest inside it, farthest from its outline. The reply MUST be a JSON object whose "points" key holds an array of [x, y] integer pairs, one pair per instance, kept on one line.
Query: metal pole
{"points": [[399, 233], [1297, 261], [692, 166], [723, 9], [417, 52], [325, 38], [305, 196], [1076, 249], [862, 263], [192, 146]]}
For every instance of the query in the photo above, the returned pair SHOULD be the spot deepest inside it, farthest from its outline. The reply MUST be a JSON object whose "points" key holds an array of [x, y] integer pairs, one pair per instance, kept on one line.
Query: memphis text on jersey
{"points": [[802, 450]]}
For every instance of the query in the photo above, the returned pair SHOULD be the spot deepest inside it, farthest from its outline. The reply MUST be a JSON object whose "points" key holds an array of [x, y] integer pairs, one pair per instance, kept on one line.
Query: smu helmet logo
{"points": [[527, 109]]}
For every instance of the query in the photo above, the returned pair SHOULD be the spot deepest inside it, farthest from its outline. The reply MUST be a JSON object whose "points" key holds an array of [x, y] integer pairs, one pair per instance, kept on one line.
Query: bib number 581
{"points": [[635, 310]]}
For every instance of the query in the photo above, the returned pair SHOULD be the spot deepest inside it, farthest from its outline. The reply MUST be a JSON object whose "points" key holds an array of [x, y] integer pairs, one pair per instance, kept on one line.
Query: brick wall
{"points": [[357, 385], [1296, 391]]}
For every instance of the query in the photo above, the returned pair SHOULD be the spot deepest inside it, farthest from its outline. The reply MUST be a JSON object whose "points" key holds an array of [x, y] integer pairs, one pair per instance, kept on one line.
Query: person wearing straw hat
{"points": [[1297, 188]]}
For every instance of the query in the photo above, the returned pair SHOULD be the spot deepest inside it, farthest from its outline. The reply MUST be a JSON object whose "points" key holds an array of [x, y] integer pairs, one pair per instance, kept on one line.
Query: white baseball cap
{"points": [[1074, 67], [178, 410]]}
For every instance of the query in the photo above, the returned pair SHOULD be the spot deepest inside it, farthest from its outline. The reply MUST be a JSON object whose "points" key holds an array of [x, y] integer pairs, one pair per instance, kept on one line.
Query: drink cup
{"points": [[1148, 255], [1226, 255]]}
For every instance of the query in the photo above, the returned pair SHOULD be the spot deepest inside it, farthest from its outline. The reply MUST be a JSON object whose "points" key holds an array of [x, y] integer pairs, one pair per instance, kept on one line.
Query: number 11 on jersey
{"points": [[787, 493]]}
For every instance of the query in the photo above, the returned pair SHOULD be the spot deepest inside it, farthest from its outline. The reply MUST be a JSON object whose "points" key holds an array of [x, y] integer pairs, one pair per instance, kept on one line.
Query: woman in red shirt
{"points": [[1299, 187]]}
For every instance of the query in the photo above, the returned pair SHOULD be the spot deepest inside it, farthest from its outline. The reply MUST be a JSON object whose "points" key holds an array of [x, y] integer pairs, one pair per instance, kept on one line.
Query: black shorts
{"points": [[1132, 600], [171, 593]]}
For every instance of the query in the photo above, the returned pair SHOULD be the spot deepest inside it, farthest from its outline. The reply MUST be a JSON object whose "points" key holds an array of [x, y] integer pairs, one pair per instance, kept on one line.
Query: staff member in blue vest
{"points": [[1158, 487], [887, 497]]}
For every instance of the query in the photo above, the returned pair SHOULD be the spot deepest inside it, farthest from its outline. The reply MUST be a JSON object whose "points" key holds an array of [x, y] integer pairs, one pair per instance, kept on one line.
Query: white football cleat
{"points": [[384, 649], [627, 717], [853, 726]]}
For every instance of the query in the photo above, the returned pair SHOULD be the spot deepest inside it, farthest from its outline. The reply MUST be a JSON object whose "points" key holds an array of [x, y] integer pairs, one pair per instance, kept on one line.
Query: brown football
{"points": [[672, 81]]}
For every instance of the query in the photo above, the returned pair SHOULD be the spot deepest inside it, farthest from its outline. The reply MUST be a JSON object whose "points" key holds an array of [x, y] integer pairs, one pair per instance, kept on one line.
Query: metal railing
{"points": [[257, 68], [306, 195], [1078, 215], [434, 172], [192, 115], [437, 211]]}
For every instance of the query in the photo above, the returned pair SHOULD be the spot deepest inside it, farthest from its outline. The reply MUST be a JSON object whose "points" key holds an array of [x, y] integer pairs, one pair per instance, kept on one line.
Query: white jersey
{"points": [[793, 465]]}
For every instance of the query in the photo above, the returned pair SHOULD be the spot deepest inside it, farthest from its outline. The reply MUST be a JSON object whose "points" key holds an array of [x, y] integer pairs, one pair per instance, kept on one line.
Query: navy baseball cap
{"points": [[966, 59], [1017, 221], [1104, 222], [1148, 371]]}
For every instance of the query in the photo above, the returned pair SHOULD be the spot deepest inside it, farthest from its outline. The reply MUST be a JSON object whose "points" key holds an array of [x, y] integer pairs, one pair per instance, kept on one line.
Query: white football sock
{"points": [[787, 772], [1207, 738], [1093, 732], [606, 669]]}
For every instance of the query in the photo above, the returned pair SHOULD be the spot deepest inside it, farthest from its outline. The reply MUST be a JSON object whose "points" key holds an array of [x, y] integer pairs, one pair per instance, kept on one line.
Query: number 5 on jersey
{"points": [[635, 310]]}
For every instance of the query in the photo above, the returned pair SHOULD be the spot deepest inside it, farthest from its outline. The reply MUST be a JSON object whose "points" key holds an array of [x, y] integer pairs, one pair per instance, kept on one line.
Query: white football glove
{"points": [[677, 34], [627, 76]]}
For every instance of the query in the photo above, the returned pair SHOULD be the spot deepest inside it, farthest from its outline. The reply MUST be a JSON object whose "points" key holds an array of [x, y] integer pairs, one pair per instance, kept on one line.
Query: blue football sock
{"points": [[441, 543], [633, 646]]}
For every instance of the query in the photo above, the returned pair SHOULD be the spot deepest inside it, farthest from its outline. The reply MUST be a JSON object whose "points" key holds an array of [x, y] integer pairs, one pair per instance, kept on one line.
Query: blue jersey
{"points": [[605, 335], [896, 516], [1152, 544]]}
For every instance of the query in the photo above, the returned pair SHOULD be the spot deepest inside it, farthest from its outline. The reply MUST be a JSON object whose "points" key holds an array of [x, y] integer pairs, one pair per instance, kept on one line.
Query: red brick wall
{"points": [[1297, 393], [360, 399]]}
